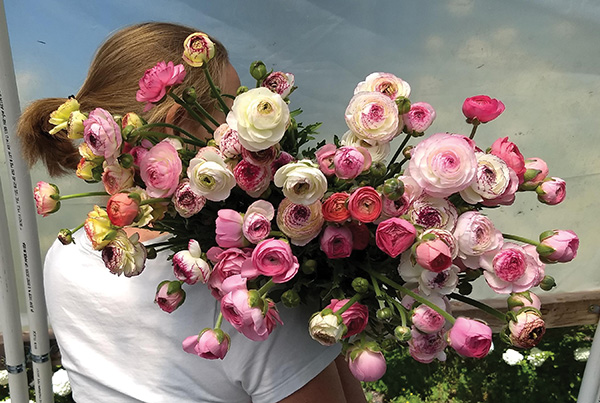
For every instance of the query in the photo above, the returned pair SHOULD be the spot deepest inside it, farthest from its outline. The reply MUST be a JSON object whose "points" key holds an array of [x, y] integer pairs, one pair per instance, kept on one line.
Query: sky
{"points": [[540, 57]]}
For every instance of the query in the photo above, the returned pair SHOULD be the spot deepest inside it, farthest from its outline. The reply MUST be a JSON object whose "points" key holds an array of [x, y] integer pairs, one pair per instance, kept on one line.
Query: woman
{"points": [[116, 344]]}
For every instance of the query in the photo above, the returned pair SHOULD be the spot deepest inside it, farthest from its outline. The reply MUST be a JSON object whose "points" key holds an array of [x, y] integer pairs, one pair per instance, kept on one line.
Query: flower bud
{"points": [[326, 327], [360, 285], [366, 364], [407, 152], [309, 266], [402, 333], [552, 191], [126, 160], [527, 328], [169, 295], [151, 253], [393, 189], [465, 288], [378, 169], [241, 89], [189, 95], [198, 49], [65, 236], [290, 299], [520, 300], [122, 209], [258, 70], [47, 198], [403, 105], [128, 134], [558, 246], [547, 283], [384, 314], [133, 120]]}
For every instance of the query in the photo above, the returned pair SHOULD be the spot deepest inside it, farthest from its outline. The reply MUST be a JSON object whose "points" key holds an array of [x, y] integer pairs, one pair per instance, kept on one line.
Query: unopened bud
{"points": [[407, 152], [241, 90], [402, 333], [465, 288], [403, 105], [378, 169], [384, 314], [126, 160], [65, 236], [393, 188], [309, 266], [189, 95], [258, 70], [360, 285], [548, 283], [290, 299]]}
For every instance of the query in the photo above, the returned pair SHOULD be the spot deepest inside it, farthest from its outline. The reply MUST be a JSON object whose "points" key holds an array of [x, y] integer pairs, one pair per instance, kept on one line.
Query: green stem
{"points": [[473, 130], [486, 308], [161, 135], [219, 321], [416, 297], [77, 228], [399, 150], [520, 239], [76, 195], [179, 129], [215, 91], [265, 288], [191, 112], [401, 309], [378, 292], [206, 114], [157, 200], [348, 304]]}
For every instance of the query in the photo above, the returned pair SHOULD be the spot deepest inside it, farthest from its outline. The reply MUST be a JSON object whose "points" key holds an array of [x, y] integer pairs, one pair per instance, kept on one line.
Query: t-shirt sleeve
{"points": [[275, 368]]}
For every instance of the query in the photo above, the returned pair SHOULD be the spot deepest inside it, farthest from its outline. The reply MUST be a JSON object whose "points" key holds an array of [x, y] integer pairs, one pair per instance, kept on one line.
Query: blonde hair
{"points": [[111, 84]]}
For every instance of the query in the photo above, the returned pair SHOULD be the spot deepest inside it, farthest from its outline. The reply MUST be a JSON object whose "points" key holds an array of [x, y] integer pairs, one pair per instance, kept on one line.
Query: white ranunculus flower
{"points": [[60, 383], [326, 329], [444, 282], [260, 118], [491, 180], [512, 357], [386, 83], [475, 235], [302, 182], [373, 116], [378, 150], [209, 175]]}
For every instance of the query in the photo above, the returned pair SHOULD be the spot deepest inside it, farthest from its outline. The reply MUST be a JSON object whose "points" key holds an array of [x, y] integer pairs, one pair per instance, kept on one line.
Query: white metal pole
{"points": [[11, 318], [589, 391], [25, 225]]}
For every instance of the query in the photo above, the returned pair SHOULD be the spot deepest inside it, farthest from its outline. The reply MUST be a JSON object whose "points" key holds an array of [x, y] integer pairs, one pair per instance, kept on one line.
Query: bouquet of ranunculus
{"points": [[260, 216]]}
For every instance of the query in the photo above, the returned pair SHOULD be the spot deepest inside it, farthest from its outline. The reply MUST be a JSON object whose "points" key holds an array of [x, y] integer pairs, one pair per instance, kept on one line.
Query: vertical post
{"points": [[26, 226], [11, 318], [589, 392]]}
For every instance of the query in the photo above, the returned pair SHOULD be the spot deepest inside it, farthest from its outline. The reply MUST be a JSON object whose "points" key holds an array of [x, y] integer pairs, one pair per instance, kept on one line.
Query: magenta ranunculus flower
{"points": [[552, 191], [230, 229], [46, 197], [253, 179], [512, 269], [188, 265], [211, 344], [395, 235], [527, 330], [250, 320], [300, 223], [427, 320], [257, 221], [434, 255], [476, 235], [156, 81], [169, 295], [102, 134], [373, 116], [443, 164], [509, 152], [272, 258], [115, 178], [419, 118], [160, 170], [186, 201], [355, 317], [470, 338], [279, 82], [336, 242], [536, 171], [558, 245], [283, 159], [367, 365], [482, 108], [349, 162], [261, 157]]}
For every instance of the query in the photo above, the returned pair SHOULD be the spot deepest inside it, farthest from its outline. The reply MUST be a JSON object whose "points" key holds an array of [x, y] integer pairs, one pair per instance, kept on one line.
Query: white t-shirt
{"points": [[118, 346]]}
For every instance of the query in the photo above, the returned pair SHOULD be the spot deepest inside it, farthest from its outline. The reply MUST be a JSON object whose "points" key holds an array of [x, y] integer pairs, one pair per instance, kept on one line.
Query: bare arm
{"points": [[352, 388], [325, 387]]}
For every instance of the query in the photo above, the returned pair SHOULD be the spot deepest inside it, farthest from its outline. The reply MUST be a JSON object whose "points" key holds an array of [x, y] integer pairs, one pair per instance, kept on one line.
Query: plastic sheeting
{"points": [[540, 58]]}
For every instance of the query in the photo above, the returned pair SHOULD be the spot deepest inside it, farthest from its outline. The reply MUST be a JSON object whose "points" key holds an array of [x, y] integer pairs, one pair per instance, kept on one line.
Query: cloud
{"points": [[460, 8]]}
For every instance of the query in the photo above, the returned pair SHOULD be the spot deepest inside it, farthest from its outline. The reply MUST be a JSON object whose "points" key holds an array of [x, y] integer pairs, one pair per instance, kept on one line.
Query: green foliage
{"points": [[465, 380]]}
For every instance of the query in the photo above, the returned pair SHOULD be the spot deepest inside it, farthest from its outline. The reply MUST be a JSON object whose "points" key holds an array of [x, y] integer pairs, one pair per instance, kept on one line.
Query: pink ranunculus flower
{"points": [[324, 157], [373, 116], [419, 118], [511, 269], [427, 320], [227, 264], [386, 83], [349, 162], [336, 242], [379, 150], [188, 265], [187, 202], [527, 330], [249, 320], [211, 344], [253, 179], [102, 134], [509, 152], [279, 82], [299, 222], [425, 347], [520, 300], [138, 153], [160, 170], [156, 81], [257, 221], [261, 157], [365, 204], [482, 107], [115, 178], [476, 235], [46, 197], [355, 317], [169, 296], [552, 191], [395, 235], [227, 140], [562, 244], [443, 164], [283, 159], [229, 229], [431, 212], [272, 258], [536, 170], [433, 255], [367, 365], [122, 209], [470, 338]]}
